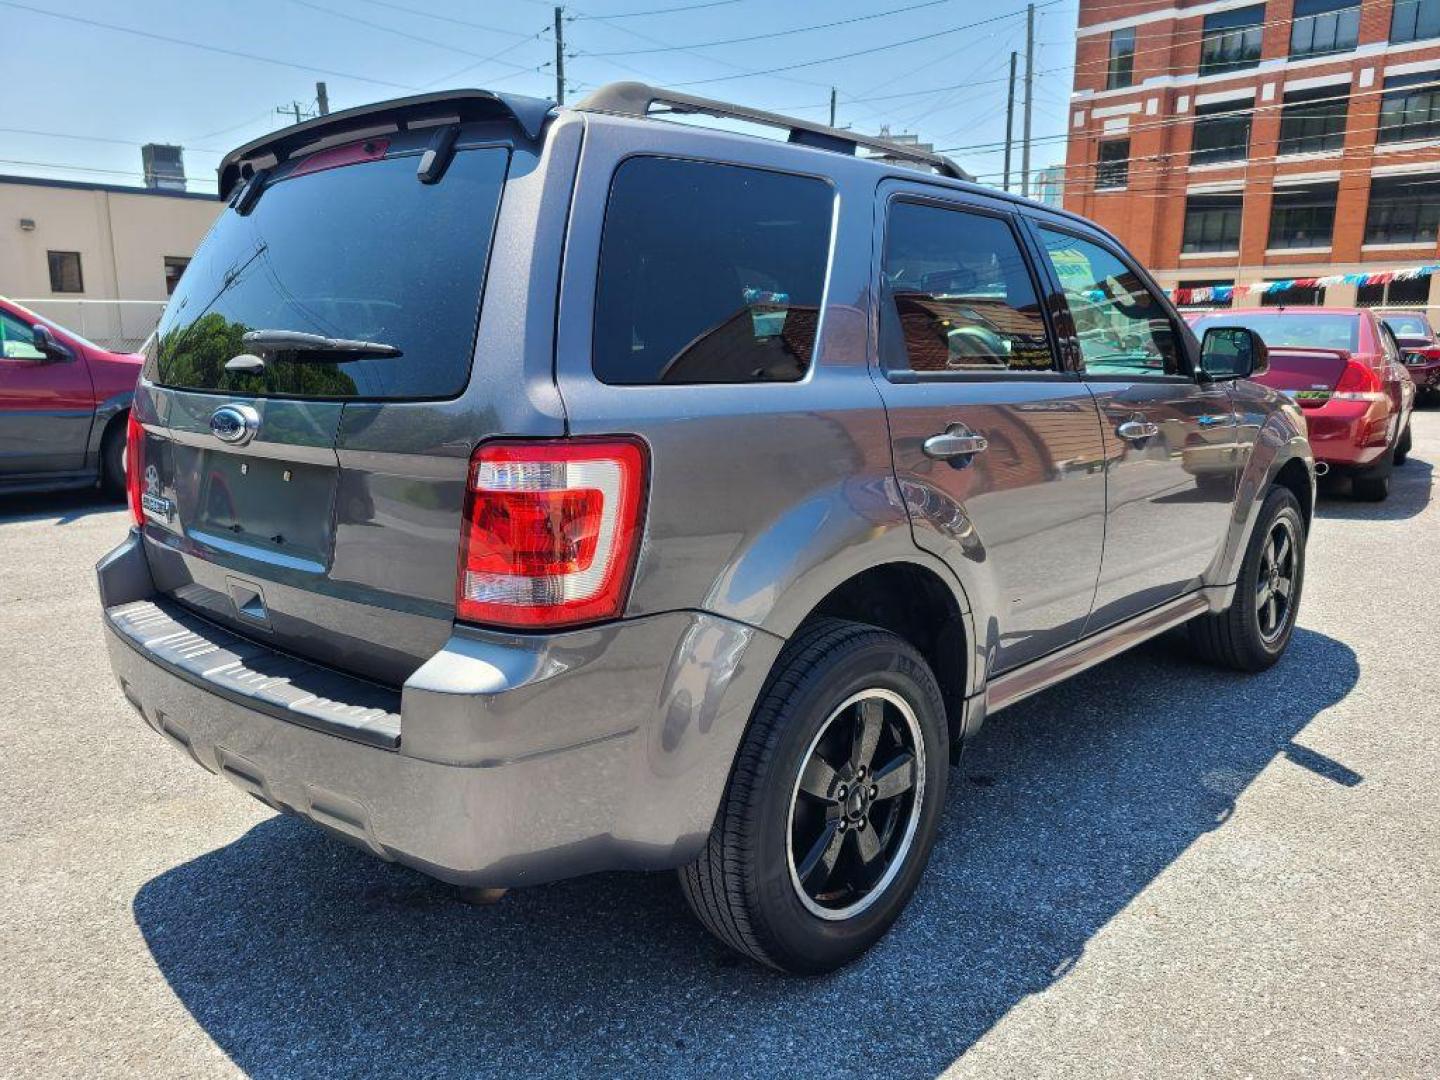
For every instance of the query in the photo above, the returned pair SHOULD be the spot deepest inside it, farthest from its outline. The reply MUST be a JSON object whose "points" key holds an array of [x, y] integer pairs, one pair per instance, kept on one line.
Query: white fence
{"points": [[118, 325]]}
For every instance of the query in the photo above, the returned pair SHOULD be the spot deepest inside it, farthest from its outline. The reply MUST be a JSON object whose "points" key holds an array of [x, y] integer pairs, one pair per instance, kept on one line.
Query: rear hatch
{"points": [[309, 494]]}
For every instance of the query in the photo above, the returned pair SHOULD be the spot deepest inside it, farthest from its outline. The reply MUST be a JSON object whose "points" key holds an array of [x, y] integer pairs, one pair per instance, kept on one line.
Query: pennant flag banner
{"points": [[1222, 293]]}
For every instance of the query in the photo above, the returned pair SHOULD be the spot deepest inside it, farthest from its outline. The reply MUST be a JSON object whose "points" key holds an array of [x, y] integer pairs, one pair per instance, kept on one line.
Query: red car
{"points": [[64, 402], [1420, 349], [1343, 367]]}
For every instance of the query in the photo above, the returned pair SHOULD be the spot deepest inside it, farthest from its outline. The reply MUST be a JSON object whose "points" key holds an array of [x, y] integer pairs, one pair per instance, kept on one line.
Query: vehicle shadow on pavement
{"points": [[299, 955], [63, 506], [1409, 496]]}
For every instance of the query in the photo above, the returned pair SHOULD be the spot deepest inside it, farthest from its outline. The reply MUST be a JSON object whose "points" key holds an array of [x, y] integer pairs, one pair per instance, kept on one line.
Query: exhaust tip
{"points": [[1321, 468]]}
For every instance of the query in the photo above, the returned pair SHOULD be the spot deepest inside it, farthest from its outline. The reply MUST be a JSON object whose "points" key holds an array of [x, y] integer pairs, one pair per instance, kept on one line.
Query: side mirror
{"points": [[1232, 352], [45, 342]]}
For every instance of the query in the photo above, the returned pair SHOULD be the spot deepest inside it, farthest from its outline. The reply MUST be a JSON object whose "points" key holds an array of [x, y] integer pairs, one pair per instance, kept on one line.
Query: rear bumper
{"points": [[1349, 434], [1425, 376], [518, 759]]}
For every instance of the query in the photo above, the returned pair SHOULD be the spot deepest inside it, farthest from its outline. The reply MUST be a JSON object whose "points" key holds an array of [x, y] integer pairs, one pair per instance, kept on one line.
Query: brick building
{"points": [[1236, 142]]}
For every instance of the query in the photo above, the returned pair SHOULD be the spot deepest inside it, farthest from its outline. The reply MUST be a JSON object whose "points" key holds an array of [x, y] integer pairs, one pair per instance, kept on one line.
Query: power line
{"points": [[865, 52], [446, 18], [208, 48], [403, 33], [746, 39], [659, 11]]}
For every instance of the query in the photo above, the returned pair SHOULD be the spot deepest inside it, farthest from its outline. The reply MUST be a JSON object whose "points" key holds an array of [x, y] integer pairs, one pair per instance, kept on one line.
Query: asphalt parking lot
{"points": [[1157, 869]]}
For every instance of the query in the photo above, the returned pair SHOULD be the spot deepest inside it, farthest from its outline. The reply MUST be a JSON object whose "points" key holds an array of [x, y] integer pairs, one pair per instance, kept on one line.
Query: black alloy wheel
{"points": [[856, 804]]}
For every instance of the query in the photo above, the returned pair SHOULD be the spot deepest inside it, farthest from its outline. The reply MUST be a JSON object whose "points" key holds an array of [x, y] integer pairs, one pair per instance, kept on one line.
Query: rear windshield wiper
{"points": [[324, 348]]}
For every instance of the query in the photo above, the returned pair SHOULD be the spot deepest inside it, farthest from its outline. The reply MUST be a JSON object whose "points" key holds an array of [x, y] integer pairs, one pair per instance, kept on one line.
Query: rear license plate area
{"points": [[282, 508]]}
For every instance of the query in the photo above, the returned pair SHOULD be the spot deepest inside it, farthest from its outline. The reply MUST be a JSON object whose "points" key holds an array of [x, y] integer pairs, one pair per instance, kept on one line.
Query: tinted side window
{"points": [[710, 273], [958, 294], [1122, 327]]}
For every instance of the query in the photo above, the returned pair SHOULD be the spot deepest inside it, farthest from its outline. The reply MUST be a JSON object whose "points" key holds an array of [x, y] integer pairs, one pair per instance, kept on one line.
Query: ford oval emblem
{"points": [[234, 424]]}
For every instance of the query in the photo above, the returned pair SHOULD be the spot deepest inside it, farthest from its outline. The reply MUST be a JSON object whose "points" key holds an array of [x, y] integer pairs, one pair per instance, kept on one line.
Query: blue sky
{"points": [[79, 98]]}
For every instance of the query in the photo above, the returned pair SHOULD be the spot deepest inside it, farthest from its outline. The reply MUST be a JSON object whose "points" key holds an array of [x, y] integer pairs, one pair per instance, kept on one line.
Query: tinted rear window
{"points": [[363, 252], [1411, 326], [1298, 331], [710, 273]]}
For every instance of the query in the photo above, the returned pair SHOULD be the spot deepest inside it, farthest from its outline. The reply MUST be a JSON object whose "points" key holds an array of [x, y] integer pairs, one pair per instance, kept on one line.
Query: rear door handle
{"points": [[1137, 430], [954, 443]]}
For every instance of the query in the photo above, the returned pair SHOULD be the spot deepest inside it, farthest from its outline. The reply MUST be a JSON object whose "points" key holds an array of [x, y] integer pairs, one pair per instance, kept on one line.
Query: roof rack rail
{"points": [[528, 112], [637, 99]]}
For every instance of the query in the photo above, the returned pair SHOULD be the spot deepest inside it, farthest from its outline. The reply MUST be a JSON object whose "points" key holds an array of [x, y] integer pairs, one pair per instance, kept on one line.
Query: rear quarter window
{"points": [[710, 273]]}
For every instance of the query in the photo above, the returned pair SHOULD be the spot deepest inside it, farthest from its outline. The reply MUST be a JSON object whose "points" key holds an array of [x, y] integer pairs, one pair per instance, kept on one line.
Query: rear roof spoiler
{"points": [[637, 99], [529, 113]]}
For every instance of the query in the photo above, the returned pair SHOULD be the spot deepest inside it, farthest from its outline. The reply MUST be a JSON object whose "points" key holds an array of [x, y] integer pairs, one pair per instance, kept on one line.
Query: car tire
{"points": [[1373, 485], [1402, 446], [782, 812], [112, 459], [1249, 635]]}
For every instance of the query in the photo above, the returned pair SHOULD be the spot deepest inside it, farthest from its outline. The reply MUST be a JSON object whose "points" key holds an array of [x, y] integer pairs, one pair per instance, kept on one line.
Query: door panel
{"points": [[1173, 455], [998, 453], [46, 406]]}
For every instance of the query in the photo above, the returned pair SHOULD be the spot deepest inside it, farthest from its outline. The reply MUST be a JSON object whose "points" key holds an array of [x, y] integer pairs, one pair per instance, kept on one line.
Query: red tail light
{"points": [[134, 467], [551, 531], [1359, 382]]}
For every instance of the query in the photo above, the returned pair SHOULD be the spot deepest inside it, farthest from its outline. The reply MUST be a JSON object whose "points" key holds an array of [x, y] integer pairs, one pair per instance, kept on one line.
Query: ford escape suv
{"points": [[521, 492]]}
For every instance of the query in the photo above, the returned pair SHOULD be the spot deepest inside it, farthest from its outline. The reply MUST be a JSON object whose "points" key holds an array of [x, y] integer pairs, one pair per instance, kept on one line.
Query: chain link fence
{"points": [[117, 325]]}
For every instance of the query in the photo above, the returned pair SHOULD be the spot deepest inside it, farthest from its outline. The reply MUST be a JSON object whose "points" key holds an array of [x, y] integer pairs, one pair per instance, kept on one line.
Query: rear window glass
{"points": [[710, 274], [364, 252], [1411, 326], [1296, 331]]}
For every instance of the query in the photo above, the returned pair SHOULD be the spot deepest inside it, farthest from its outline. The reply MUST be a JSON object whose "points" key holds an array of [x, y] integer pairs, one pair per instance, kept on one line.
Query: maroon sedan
{"points": [[1420, 349], [63, 406], [1343, 367]]}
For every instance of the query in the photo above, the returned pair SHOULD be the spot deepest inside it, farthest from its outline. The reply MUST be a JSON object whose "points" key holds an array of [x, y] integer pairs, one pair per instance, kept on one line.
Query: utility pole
{"points": [[1029, 98], [560, 56], [293, 109], [322, 99], [1010, 118], [832, 106]]}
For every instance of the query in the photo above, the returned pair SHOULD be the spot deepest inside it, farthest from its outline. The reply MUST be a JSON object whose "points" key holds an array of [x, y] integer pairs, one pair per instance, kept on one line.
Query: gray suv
{"points": [[522, 492]]}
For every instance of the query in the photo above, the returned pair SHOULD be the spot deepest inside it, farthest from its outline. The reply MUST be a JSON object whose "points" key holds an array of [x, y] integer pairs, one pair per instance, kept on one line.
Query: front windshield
{"points": [[1282, 329]]}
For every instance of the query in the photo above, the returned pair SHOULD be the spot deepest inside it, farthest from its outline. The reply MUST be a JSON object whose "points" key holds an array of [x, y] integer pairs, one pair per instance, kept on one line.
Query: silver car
{"points": [[522, 492]]}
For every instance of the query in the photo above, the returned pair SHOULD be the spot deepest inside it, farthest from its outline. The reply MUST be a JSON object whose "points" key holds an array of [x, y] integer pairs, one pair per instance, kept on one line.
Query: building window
{"points": [[1410, 107], [1231, 40], [1209, 283], [1409, 291], [1121, 70], [1412, 20], [1295, 296], [65, 273], [1324, 26], [1403, 210], [1313, 121], [174, 267], [1112, 169], [1222, 132], [1303, 217], [1212, 223]]}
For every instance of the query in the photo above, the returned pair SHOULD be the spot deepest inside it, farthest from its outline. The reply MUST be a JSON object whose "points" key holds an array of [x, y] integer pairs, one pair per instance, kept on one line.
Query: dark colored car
{"points": [[522, 492], [1342, 365], [1419, 349], [63, 406]]}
